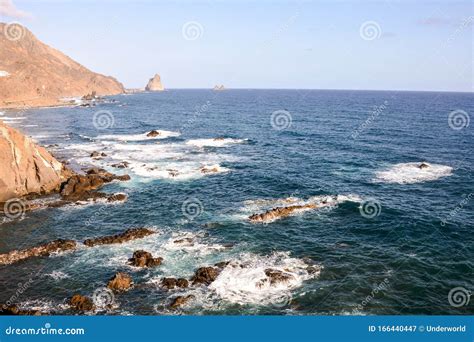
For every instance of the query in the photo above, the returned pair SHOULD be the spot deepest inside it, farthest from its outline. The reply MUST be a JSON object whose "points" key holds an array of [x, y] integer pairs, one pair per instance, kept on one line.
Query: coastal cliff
{"points": [[25, 167], [155, 84], [34, 74]]}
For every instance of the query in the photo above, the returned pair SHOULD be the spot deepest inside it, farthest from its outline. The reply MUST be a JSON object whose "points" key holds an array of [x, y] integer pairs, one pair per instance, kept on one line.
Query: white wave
{"points": [[244, 280], [409, 173], [216, 142], [138, 137], [4, 73]]}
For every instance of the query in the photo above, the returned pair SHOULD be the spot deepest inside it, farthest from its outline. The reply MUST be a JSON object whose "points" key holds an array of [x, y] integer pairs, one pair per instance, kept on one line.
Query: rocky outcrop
{"points": [[144, 259], [424, 166], [25, 167], [153, 134], [81, 187], [130, 234], [39, 75], [276, 276], [205, 275], [281, 212], [154, 84], [120, 282], [55, 246], [81, 303]]}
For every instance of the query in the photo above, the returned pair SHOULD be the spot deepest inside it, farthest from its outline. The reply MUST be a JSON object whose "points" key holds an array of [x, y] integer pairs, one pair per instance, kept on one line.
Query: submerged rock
{"points": [[281, 212], [205, 275], [55, 246], [180, 301], [277, 276], [96, 154], [206, 170], [121, 165], [144, 259], [81, 303], [129, 234], [120, 282]]}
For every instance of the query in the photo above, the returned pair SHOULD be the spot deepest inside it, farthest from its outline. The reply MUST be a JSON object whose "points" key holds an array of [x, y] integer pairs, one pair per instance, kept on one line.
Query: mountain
{"points": [[34, 74], [155, 84]]}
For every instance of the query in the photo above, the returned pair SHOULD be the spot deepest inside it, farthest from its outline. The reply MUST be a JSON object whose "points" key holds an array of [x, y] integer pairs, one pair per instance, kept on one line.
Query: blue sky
{"points": [[264, 44]]}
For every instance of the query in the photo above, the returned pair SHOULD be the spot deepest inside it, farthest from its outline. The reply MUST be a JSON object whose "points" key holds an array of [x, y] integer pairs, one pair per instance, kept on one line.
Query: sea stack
{"points": [[154, 84], [26, 168]]}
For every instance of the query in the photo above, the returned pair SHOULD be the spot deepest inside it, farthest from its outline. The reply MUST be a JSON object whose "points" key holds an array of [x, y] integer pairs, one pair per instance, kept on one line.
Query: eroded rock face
{"points": [[205, 275], [180, 301], [155, 84], [130, 234], [120, 282], [144, 259], [81, 303], [25, 167], [281, 212], [55, 246], [13, 310]]}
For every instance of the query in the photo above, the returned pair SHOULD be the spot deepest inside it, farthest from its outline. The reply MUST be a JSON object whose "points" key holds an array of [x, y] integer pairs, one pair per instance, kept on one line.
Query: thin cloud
{"points": [[8, 9]]}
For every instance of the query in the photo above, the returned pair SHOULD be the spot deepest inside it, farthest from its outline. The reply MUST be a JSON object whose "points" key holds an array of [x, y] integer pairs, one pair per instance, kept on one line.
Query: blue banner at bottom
{"points": [[237, 328]]}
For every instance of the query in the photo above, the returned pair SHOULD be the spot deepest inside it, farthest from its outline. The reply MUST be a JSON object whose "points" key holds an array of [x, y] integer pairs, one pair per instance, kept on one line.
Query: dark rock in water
{"points": [[96, 154], [280, 212], [277, 276], [184, 241], [171, 283], [423, 166], [205, 275], [121, 165], [81, 303], [173, 172], [144, 259], [91, 96], [153, 134], [55, 246], [222, 264], [13, 310], [180, 301], [120, 282], [219, 139], [117, 198], [205, 170], [129, 234]]}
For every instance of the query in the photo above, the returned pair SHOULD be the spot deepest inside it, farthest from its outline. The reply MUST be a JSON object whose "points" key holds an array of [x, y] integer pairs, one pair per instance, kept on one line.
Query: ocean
{"points": [[392, 238]]}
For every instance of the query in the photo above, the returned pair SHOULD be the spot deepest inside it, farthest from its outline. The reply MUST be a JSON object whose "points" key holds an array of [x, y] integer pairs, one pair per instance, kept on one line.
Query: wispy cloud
{"points": [[8, 9]]}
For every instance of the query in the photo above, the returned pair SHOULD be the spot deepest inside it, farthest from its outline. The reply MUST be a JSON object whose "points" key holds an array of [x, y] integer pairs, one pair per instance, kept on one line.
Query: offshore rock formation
{"points": [[130, 234], [154, 84], [26, 168], [120, 282], [38, 75], [43, 250], [144, 259], [281, 212], [219, 87]]}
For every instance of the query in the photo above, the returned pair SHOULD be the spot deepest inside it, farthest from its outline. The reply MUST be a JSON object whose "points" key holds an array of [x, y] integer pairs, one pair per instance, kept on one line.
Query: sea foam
{"points": [[409, 173]]}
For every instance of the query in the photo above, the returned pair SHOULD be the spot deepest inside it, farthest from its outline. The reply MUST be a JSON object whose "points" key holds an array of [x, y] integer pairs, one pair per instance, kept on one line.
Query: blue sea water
{"points": [[397, 243]]}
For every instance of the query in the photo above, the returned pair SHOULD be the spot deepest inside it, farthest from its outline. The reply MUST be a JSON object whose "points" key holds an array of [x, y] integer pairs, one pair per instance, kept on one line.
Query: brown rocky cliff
{"points": [[34, 74], [155, 84], [25, 167]]}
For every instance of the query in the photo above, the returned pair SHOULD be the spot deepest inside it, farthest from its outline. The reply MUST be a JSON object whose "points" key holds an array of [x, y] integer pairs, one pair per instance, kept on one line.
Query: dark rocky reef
{"points": [[129, 234]]}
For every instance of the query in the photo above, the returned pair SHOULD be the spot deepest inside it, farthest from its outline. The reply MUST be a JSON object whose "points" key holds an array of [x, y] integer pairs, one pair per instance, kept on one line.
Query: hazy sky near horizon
{"points": [[403, 45]]}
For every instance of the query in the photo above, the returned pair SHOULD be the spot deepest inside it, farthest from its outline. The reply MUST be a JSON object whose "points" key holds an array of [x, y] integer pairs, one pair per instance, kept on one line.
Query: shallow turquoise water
{"points": [[357, 143]]}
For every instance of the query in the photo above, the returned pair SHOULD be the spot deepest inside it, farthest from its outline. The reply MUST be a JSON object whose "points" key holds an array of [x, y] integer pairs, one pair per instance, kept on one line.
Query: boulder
{"points": [[120, 282], [205, 275], [81, 303], [206, 170], [96, 154], [277, 276], [121, 165], [13, 310], [144, 259], [129, 234], [171, 283], [55, 246], [180, 301], [423, 166]]}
